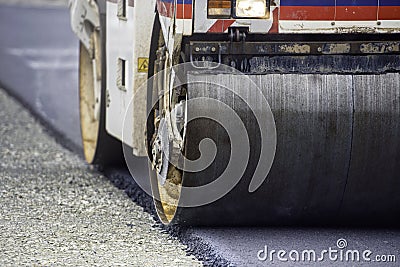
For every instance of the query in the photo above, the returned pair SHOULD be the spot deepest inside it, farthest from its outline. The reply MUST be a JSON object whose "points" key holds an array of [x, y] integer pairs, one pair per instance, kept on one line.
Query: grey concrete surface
{"points": [[52, 94], [41, 3], [55, 210], [39, 61], [241, 246]]}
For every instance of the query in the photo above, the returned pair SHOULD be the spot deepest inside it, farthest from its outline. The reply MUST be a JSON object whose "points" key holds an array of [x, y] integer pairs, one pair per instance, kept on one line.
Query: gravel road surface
{"points": [[56, 210]]}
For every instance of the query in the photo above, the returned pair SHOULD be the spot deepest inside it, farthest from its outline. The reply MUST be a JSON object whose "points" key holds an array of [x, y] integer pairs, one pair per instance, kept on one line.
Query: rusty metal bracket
{"points": [[297, 57], [297, 48]]}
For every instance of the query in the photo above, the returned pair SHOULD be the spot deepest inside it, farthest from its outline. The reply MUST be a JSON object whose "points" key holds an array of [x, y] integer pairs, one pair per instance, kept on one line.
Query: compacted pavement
{"points": [[56, 210]]}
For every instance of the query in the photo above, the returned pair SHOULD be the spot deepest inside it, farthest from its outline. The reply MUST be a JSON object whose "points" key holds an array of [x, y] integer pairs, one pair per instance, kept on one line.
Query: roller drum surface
{"points": [[337, 157]]}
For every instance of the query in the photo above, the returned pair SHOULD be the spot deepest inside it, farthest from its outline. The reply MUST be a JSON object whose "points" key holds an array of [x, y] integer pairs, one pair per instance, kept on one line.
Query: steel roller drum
{"points": [[337, 156]]}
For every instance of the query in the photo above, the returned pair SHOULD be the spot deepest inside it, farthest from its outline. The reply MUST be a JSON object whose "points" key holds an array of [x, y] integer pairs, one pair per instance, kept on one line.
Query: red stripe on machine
{"points": [[354, 13], [307, 13], [183, 11], [340, 13], [275, 21], [221, 25], [389, 13]]}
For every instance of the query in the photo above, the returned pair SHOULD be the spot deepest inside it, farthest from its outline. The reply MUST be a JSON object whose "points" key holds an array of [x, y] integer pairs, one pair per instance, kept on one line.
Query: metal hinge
{"points": [[85, 19]]}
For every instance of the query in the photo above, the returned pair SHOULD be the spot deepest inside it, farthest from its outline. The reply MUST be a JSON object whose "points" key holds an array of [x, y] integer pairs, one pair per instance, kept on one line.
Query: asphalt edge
{"points": [[47, 127], [195, 245]]}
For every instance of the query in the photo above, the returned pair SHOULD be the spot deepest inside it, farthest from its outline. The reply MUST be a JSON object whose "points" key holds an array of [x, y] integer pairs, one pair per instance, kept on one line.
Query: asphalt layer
{"points": [[40, 3], [225, 246], [56, 210], [39, 62], [44, 40]]}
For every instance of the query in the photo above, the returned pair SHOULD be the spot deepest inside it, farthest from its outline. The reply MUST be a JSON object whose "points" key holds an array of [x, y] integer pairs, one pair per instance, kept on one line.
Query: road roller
{"points": [[247, 112]]}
